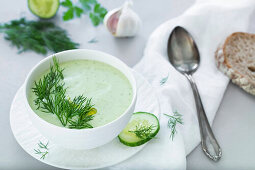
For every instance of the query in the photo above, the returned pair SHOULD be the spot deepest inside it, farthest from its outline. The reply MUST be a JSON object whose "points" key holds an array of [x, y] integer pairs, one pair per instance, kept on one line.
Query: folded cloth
{"points": [[209, 22]]}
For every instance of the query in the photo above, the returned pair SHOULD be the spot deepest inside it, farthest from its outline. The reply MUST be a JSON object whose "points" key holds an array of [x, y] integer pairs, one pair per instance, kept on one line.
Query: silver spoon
{"points": [[183, 54]]}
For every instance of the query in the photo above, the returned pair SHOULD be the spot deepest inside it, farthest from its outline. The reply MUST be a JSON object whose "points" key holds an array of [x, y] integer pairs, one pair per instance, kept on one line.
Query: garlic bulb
{"points": [[123, 21]]}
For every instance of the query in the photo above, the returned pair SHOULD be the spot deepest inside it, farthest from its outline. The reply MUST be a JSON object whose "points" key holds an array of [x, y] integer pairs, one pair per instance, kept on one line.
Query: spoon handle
{"points": [[209, 143]]}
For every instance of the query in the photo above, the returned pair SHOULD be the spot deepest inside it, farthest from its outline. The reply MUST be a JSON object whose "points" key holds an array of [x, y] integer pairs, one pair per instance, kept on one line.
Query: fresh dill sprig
{"points": [[173, 121], [39, 152], [80, 108], [93, 40], [39, 36], [43, 146], [164, 80], [51, 98], [44, 150], [142, 131]]}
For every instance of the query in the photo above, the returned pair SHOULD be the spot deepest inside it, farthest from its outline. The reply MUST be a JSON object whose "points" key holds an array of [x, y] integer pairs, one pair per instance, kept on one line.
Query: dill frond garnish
{"points": [[43, 146], [39, 152], [173, 121], [39, 36], [51, 98], [142, 131], [164, 80], [43, 151], [93, 40]]}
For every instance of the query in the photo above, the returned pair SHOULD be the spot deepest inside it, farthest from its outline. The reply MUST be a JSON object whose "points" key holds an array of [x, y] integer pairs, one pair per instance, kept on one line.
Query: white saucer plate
{"points": [[107, 155]]}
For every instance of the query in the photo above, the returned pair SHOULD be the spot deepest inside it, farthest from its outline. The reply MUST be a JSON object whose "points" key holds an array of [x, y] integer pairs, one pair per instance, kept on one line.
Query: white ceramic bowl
{"points": [[81, 138]]}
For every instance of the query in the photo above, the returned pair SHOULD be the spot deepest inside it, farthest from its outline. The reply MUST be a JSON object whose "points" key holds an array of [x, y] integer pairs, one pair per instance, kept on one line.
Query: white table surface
{"points": [[233, 126]]}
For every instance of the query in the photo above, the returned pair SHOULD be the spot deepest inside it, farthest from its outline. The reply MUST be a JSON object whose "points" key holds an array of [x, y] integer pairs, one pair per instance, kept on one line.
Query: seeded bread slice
{"points": [[236, 58]]}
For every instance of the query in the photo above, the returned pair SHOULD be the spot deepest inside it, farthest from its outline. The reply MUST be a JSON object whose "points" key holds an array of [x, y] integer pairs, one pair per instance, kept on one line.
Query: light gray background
{"points": [[233, 126]]}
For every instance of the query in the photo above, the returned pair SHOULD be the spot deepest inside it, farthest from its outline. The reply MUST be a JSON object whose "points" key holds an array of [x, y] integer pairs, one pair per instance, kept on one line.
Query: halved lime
{"points": [[43, 8], [139, 119]]}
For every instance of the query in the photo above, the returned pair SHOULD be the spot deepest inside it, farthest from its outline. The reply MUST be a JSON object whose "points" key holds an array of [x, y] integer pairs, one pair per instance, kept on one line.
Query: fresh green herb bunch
{"points": [[90, 7], [51, 98], [38, 36], [142, 131]]}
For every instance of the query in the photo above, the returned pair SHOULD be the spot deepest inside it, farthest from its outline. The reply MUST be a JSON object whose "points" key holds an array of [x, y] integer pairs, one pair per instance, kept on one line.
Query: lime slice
{"points": [[43, 8], [139, 120]]}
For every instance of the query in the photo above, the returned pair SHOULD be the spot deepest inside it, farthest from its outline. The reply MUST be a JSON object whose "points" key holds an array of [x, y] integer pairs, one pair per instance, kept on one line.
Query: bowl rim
{"points": [[134, 89]]}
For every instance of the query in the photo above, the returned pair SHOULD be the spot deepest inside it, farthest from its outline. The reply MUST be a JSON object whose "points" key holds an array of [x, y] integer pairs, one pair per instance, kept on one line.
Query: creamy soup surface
{"points": [[109, 89]]}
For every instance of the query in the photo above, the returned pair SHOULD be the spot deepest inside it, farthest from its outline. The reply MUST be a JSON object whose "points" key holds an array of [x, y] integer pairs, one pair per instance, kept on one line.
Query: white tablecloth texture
{"points": [[209, 22]]}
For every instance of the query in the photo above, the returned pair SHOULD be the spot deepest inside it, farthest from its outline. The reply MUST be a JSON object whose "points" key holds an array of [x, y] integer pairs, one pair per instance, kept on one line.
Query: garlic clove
{"points": [[112, 22], [123, 21]]}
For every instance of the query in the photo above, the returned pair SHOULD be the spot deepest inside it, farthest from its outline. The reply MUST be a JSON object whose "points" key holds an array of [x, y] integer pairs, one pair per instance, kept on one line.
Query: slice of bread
{"points": [[236, 58]]}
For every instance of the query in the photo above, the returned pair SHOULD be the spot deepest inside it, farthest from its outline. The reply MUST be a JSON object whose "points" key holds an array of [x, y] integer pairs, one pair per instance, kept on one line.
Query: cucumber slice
{"points": [[139, 119], [44, 8]]}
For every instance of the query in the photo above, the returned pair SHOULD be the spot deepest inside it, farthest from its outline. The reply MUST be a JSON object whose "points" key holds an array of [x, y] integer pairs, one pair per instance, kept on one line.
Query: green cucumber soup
{"points": [[109, 90]]}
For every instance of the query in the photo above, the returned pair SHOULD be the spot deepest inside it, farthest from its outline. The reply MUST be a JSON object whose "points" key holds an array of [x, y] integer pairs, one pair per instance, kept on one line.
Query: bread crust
{"points": [[223, 64]]}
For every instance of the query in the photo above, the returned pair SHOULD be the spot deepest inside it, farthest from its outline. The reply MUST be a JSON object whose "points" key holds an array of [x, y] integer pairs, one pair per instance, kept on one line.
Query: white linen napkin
{"points": [[209, 22]]}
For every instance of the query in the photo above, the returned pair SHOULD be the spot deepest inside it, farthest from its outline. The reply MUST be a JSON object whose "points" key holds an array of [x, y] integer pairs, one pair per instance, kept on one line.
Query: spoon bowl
{"points": [[182, 51], [183, 54]]}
